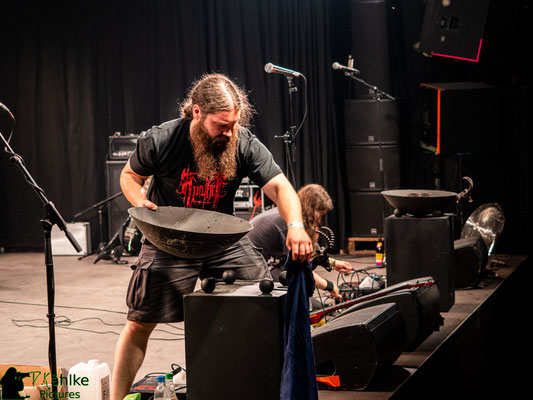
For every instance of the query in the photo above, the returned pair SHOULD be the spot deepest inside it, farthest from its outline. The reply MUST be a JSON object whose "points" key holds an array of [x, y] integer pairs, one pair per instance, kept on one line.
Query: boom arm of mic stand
{"points": [[371, 87], [101, 203]]}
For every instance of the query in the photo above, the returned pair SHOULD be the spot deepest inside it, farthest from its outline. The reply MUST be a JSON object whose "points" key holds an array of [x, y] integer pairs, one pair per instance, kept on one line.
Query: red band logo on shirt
{"points": [[201, 193]]}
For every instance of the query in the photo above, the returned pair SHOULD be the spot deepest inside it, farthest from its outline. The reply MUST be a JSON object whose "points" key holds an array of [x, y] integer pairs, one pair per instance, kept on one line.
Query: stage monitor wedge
{"points": [[357, 346]]}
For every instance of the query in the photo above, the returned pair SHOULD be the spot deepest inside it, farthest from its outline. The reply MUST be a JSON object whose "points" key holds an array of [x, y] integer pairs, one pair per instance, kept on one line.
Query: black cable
{"points": [[56, 306], [65, 322], [79, 308], [305, 108]]}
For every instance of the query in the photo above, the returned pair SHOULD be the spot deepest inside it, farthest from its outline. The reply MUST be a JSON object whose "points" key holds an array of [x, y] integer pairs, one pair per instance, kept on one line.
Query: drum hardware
{"points": [[114, 250], [100, 206]]}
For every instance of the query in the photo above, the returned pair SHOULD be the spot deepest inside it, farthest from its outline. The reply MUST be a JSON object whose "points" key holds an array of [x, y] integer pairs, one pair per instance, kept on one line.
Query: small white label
{"points": [[106, 393]]}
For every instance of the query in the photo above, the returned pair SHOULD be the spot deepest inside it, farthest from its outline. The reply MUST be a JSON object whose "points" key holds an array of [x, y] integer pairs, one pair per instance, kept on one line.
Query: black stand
{"points": [[115, 248], [289, 136], [52, 218], [100, 205]]}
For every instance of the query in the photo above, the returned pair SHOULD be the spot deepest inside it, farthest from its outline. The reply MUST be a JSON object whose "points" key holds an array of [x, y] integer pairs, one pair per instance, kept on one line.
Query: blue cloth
{"points": [[298, 377]]}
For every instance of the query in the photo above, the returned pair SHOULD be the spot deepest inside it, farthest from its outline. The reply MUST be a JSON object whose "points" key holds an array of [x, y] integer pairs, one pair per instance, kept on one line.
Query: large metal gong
{"points": [[418, 202], [189, 232]]}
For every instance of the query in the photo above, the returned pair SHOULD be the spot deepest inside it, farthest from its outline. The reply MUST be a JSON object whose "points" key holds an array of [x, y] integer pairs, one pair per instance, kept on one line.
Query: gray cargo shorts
{"points": [[160, 280]]}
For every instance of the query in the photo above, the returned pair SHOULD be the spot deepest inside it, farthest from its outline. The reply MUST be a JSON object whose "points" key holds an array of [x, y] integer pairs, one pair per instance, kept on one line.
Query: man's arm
{"points": [[322, 283], [132, 184], [281, 192]]}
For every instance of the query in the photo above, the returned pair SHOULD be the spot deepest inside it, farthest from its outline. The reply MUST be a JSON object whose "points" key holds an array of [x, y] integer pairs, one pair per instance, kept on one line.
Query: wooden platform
{"points": [[361, 245], [476, 353]]}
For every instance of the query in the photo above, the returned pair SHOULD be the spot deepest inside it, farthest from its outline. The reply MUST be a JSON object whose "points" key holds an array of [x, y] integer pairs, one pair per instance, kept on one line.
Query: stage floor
{"points": [[90, 303]]}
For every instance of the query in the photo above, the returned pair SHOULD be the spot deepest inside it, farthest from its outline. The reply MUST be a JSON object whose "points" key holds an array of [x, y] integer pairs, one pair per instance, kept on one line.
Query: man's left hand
{"points": [[299, 242]]}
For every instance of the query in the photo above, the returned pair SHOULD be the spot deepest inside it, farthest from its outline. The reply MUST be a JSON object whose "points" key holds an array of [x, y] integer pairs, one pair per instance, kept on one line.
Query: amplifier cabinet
{"points": [[121, 147], [234, 343]]}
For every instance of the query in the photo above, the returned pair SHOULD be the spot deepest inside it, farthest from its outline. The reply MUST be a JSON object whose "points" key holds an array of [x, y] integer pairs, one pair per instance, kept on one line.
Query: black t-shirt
{"points": [[269, 234], [165, 152]]}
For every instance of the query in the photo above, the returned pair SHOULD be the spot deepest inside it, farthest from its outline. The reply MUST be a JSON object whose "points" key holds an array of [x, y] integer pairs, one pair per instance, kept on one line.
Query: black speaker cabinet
{"points": [[370, 43], [367, 212], [374, 167], [460, 117], [368, 122], [419, 307], [471, 257], [234, 343], [117, 209], [418, 247], [356, 346], [454, 29]]}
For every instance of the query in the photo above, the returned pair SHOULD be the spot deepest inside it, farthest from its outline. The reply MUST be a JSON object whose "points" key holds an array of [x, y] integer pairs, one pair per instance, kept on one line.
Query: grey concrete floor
{"points": [[90, 311], [89, 302]]}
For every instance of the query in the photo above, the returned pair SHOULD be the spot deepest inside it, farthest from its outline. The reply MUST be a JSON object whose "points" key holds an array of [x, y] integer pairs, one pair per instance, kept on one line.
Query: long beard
{"points": [[214, 155]]}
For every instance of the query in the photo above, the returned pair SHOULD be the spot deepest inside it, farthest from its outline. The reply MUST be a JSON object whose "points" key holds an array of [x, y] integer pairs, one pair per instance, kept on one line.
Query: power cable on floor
{"points": [[66, 323]]}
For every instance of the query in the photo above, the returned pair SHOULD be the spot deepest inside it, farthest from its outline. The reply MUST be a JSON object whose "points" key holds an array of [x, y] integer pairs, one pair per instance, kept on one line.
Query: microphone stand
{"points": [[53, 217], [288, 137]]}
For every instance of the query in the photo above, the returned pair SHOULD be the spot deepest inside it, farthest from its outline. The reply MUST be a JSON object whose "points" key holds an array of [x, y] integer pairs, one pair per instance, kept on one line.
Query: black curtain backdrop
{"points": [[75, 72]]}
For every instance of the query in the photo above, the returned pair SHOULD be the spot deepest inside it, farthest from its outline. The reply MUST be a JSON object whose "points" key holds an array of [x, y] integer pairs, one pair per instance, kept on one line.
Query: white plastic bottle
{"points": [[161, 391], [170, 385], [90, 381]]}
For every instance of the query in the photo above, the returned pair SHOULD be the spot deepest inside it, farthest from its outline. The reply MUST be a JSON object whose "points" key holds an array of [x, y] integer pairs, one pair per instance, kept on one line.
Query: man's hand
{"points": [[281, 192], [132, 187], [334, 294], [342, 266], [148, 204], [299, 242]]}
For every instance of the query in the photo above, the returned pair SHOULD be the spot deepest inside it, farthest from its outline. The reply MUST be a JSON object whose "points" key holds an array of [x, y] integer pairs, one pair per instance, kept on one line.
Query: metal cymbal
{"points": [[487, 221], [189, 232]]}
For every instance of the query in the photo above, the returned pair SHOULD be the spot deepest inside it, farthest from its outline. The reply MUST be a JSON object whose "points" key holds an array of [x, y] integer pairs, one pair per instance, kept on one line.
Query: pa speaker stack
{"points": [[372, 159], [371, 122]]}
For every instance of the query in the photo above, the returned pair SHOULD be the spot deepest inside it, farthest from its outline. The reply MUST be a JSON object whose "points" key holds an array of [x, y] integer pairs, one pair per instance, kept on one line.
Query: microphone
{"points": [[274, 69], [344, 68]]}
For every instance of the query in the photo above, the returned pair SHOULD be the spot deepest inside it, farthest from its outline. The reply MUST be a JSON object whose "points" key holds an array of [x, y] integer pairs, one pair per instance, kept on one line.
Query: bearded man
{"points": [[199, 161]]}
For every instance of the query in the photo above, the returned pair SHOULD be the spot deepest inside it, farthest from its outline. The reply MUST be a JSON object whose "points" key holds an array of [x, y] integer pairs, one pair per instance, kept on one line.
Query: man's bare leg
{"points": [[129, 356]]}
